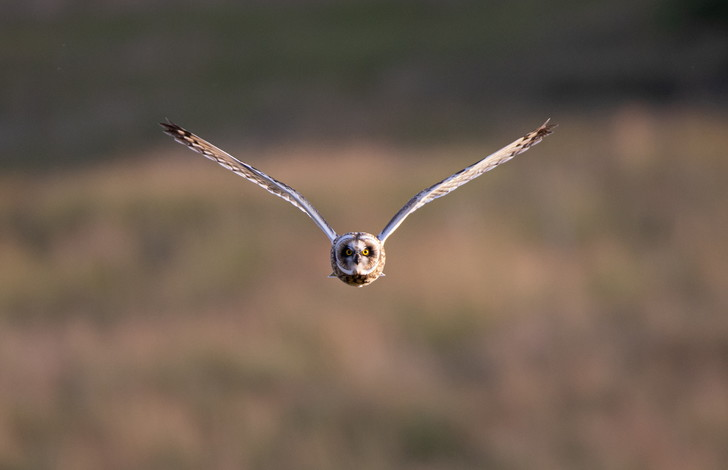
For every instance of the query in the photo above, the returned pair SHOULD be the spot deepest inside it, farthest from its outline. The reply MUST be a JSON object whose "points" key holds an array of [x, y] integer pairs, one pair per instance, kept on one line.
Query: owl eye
{"points": [[365, 252], [348, 252]]}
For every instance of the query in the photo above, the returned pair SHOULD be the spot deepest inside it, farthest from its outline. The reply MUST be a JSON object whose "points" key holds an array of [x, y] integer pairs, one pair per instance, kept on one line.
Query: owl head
{"points": [[357, 258]]}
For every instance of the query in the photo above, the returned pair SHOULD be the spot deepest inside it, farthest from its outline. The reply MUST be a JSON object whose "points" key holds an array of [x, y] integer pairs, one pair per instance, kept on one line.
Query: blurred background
{"points": [[566, 311]]}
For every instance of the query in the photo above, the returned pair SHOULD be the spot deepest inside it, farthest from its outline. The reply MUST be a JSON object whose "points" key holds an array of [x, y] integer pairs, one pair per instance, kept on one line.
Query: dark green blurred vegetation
{"points": [[83, 81], [566, 311]]}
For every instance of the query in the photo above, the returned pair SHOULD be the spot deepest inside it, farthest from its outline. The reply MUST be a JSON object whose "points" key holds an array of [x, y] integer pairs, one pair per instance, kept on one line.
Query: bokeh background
{"points": [[567, 311]]}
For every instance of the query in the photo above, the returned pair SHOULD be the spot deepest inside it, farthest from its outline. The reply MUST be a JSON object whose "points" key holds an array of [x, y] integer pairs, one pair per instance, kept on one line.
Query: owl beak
{"points": [[357, 257]]}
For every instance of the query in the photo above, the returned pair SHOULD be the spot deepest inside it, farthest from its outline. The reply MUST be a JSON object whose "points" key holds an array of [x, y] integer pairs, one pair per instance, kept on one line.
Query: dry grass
{"points": [[566, 311]]}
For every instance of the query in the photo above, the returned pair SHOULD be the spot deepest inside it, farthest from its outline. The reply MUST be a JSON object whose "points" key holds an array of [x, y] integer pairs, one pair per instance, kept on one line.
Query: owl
{"points": [[357, 258]]}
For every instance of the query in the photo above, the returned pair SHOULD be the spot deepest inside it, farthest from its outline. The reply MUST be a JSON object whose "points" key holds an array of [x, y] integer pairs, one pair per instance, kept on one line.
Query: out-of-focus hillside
{"points": [[565, 311]]}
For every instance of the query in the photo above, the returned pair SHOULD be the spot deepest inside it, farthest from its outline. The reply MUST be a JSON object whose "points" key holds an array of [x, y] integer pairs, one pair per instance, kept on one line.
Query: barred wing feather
{"points": [[248, 172], [466, 175]]}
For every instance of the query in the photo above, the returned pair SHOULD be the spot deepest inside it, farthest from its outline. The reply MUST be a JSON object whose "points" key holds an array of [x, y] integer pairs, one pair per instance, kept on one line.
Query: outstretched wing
{"points": [[226, 160], [466, 174]]}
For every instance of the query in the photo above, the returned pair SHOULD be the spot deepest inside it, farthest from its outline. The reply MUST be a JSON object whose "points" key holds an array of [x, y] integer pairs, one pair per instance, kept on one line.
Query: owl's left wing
{"points": [[465, 175], [226, 160]]}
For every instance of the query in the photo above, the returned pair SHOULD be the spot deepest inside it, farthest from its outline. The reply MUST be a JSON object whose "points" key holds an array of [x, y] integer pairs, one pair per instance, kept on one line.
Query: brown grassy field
{"points": [[568, 310]]}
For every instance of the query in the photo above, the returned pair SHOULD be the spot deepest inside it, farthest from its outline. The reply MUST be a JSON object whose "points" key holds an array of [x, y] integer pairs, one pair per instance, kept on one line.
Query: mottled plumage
{"points": [[357, 258]]}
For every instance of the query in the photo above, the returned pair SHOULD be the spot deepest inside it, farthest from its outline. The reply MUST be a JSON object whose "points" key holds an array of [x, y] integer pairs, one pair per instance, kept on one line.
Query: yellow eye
{"points": [[365, 251], [348, 252]]}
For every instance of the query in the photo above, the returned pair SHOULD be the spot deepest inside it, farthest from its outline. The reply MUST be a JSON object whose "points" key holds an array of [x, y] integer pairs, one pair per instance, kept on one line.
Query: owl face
{"points": [[357, 258]]}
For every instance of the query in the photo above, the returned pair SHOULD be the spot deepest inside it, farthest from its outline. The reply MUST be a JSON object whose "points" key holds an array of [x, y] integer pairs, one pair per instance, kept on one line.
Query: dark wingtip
{"points": [[171, 128], [546, 128]]}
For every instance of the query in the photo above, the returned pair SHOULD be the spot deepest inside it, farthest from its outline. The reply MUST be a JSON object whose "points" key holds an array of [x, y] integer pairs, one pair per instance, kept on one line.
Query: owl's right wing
{"points": [[466, 175], [226, 160]]}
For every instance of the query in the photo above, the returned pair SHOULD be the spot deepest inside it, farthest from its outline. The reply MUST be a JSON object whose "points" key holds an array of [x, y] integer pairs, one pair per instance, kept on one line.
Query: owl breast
{"points": [[357, 258]]}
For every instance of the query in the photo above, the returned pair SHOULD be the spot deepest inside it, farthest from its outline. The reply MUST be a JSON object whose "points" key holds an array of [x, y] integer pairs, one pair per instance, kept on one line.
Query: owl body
{"points": [[357, 258]]}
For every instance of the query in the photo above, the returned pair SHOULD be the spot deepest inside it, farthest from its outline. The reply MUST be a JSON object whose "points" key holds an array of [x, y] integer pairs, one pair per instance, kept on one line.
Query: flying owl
{"points": [[357, 258]]}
